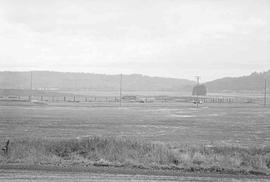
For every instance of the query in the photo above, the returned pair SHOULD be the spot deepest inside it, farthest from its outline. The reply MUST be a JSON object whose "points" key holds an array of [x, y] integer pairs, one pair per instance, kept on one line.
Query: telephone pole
{"points": [[31, 80], [198, 79], [31, 85], [120, 100], [265, 89], [198, 83]]}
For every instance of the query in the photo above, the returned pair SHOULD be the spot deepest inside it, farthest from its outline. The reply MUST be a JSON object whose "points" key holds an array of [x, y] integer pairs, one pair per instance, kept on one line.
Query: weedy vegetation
{"points": [[134, 153]]}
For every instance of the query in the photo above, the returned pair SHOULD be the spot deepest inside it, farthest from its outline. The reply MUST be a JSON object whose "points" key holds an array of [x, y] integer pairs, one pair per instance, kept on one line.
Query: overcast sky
{"points": [[171, 38]]}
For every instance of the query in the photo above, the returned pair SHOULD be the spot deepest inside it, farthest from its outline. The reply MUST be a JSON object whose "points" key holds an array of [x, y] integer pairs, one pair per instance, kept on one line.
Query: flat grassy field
{"points": [[178, 124]]}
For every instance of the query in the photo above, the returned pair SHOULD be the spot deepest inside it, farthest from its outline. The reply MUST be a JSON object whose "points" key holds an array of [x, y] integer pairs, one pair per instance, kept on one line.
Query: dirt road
{"points": [[54, 176]]}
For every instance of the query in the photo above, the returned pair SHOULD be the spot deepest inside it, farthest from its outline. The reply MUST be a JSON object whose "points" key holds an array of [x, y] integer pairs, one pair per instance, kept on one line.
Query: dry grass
{"points": [[134, 153]]}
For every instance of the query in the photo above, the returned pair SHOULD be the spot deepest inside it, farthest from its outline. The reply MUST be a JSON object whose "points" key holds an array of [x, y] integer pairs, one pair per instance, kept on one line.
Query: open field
{"points": [[177, 124], [214, 138]]}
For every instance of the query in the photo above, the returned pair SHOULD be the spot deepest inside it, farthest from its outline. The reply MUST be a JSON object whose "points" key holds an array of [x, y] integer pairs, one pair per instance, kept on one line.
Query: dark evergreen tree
{"points": [[199, 90]]}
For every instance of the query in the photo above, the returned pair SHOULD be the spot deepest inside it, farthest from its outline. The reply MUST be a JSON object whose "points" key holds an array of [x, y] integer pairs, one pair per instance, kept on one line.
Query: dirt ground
{"points": [[34, 173]]}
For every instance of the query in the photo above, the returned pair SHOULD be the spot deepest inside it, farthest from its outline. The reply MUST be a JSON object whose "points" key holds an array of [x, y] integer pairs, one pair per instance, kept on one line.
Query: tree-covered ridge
{"points": [[252, 82], [89, 81]]}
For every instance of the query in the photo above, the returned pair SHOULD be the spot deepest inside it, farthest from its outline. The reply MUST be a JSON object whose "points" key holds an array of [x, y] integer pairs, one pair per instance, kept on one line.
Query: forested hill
{"points": [[252, 82], [70, 81]]}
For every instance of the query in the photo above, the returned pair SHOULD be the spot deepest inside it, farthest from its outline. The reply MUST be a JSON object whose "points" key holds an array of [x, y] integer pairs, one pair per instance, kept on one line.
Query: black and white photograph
{"points": [[135, 90]]}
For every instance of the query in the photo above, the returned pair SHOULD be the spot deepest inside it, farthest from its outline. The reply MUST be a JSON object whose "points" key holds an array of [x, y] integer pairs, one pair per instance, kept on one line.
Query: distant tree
{"points": [[199, 90]]}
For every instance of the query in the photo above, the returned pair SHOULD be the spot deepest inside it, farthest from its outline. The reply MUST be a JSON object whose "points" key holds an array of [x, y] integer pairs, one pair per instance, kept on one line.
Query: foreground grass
{"points": [[124, 152]]}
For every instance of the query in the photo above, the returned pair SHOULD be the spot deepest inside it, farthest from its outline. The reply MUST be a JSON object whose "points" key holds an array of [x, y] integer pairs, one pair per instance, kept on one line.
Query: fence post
{"points": [[5, 148]]}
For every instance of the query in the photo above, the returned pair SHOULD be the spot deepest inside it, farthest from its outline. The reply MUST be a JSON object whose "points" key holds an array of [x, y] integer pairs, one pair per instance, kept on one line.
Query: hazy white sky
{"points": [[171, 38]]}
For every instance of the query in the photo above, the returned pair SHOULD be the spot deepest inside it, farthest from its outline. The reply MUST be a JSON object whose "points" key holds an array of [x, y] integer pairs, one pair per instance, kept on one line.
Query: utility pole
{"points": [[31, 85], [265, 88], [31, 80], [198, 83], [120, 100], [198, 79]]}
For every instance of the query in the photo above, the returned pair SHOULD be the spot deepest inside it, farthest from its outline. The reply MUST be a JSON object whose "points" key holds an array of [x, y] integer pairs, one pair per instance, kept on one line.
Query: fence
{"points": [[139, 99]]}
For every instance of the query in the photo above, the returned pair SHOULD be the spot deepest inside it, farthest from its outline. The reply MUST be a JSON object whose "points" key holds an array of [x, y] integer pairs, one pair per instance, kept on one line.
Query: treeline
{"points": [[252, 82], [88, 81]]}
